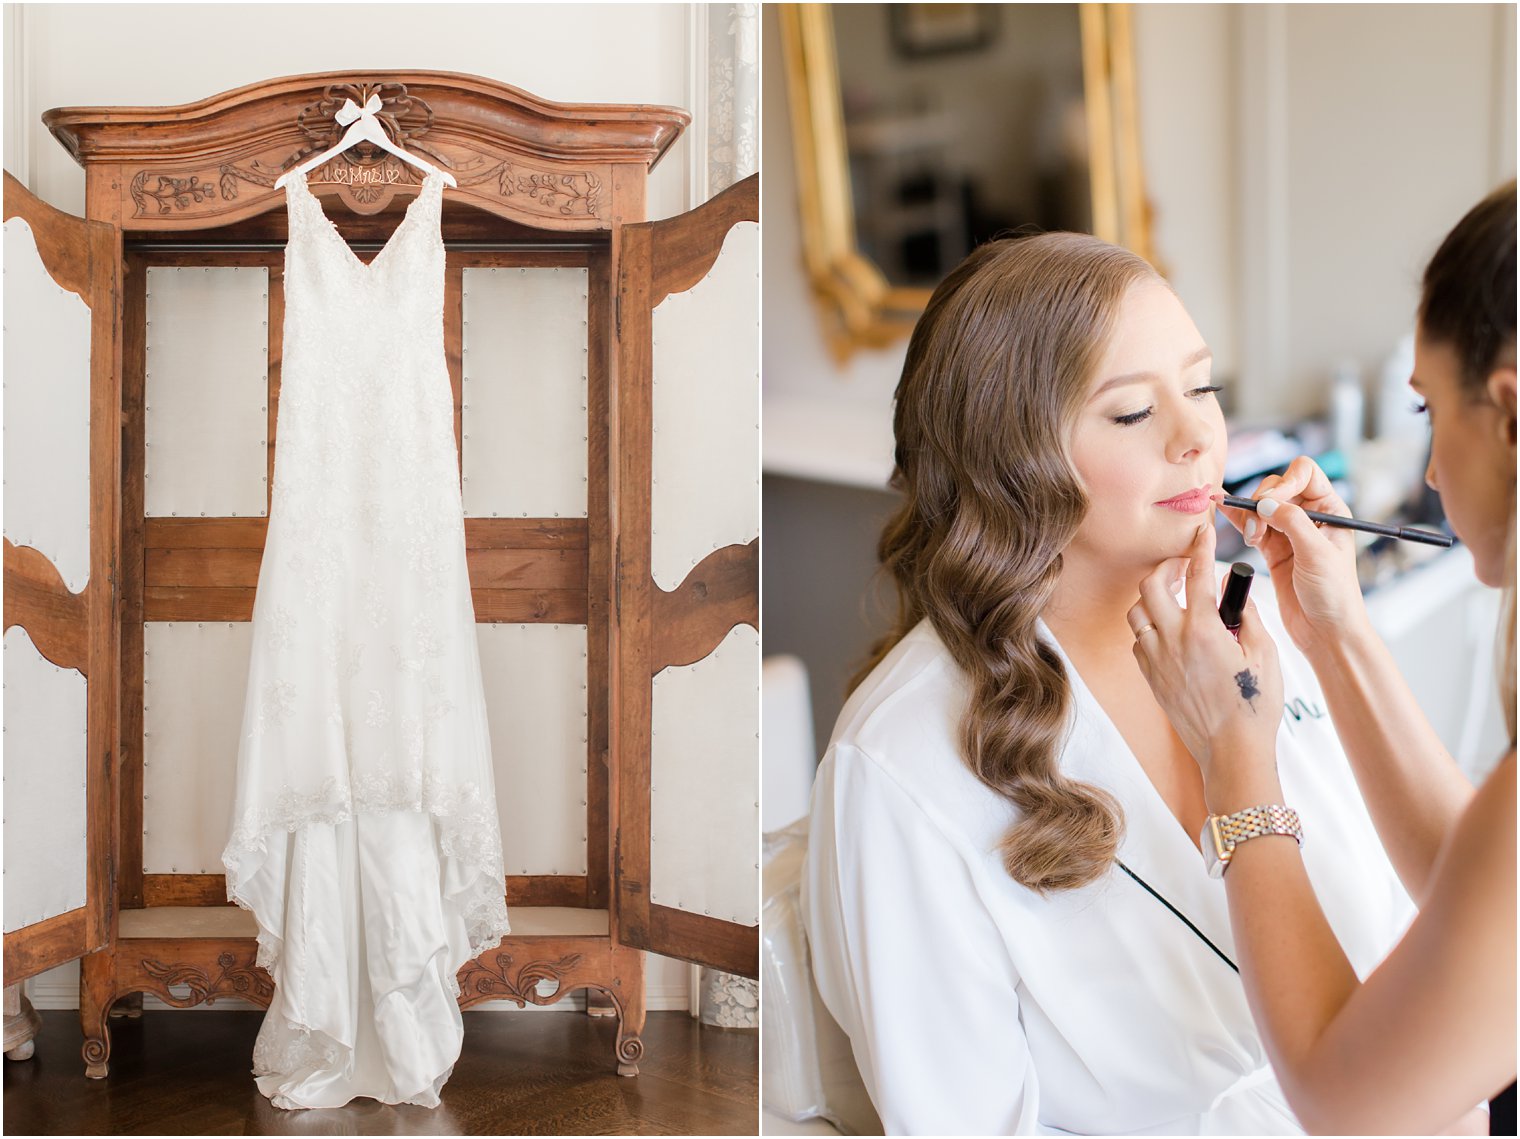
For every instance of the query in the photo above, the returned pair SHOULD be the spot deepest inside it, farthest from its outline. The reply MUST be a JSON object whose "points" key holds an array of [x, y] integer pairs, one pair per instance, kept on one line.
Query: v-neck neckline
{"points": [[1159, 849], [1134, 770], [427, 179]]}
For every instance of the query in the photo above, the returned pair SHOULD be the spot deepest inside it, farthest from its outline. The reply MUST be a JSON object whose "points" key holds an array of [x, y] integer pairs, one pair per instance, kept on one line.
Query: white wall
{"points": [[151, 54]]}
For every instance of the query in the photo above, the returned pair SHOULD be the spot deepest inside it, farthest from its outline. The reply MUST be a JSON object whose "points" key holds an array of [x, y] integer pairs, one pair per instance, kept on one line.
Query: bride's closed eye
{"points": [[1145, 413]]}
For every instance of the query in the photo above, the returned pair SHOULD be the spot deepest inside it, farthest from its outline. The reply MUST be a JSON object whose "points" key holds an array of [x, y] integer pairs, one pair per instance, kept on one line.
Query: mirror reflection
{"points": [[961, 121]]}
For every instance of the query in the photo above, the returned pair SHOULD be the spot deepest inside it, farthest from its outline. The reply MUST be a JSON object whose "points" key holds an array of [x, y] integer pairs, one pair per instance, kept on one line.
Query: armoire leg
{"points": [[599, 1003], [97, 993], [630, 993], [129, 1006]]}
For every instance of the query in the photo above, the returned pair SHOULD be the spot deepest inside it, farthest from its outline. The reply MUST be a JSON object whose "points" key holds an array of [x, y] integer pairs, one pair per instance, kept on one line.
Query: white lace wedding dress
{"points": [[365, 837]]}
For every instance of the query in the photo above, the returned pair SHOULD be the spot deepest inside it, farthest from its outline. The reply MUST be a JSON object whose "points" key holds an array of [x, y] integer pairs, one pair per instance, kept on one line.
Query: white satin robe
{"points": [[976, 1006]]}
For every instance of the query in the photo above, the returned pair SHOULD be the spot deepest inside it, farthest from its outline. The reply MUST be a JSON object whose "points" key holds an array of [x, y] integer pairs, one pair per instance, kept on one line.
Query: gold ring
{"points": [[1142, 630]]}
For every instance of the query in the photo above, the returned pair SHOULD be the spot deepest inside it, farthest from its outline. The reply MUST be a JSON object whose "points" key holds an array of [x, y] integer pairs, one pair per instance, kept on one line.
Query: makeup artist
{"points": [[1431, 1031]]}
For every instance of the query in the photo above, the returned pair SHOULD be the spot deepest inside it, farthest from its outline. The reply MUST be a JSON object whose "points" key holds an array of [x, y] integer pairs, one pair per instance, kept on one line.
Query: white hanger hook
{"points": [[351, 110]]}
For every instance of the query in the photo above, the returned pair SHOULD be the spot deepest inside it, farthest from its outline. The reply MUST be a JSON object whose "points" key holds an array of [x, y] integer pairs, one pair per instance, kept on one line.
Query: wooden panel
{"points": [[205, 533], [655, 259], [177, 603], [525, 533], [37, 599], [211, 890], [599, 573], [528, 569], [631, 641], [708, 941], [37, 947], [134, 525], [479, 533], [562, 607], [210, 568], [85, 257], [723, 591], [174, 603], [201, 567]]}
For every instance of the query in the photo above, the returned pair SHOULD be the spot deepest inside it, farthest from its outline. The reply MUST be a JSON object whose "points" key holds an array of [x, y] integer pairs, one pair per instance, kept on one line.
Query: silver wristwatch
{"points": [[1223, 833]]}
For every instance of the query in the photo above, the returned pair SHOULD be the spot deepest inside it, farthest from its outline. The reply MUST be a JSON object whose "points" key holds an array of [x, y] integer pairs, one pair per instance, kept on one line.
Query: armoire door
{"points": [[62, 477], [686, 639]]}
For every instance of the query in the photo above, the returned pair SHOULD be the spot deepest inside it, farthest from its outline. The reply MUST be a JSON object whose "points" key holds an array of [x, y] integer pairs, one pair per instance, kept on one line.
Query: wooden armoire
{"points": [[606, 387]]}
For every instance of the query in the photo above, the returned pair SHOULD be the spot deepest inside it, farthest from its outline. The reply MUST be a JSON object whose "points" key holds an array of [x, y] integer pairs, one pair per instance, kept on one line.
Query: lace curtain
{"points": [[733, 140], [733, 93]]}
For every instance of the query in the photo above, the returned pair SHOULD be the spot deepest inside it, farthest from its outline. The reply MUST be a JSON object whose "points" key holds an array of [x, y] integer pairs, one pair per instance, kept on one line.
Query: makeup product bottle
{"points": [[1347, 409]]}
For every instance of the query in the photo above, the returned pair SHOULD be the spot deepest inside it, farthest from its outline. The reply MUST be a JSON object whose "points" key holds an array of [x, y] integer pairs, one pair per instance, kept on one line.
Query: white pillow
{"points": [[809, 1068]]}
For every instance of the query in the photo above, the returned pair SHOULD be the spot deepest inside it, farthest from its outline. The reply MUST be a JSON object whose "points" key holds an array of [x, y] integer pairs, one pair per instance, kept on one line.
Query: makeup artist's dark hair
{"points": [[1467, 298], [1467, 301], [997, 369]]}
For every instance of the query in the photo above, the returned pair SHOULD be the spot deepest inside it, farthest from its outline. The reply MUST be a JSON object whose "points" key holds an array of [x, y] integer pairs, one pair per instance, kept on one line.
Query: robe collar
{"points": [[1155, 846]]}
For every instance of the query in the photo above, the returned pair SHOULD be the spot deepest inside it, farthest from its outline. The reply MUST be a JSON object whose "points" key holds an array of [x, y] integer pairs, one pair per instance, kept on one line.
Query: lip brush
{"points": [[1408, 533]]}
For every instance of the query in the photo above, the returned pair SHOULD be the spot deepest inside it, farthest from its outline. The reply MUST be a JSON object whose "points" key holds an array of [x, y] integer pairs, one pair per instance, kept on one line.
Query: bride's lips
{"points": [[1194, 501]]}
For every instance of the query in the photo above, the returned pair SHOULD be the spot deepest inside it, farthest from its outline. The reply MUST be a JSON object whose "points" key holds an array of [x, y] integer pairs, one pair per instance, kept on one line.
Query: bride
{"points": [[1006, 903]]}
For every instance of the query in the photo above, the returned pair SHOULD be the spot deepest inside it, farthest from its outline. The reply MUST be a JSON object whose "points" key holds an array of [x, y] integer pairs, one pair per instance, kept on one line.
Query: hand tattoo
{"points": [[1247, 684]]}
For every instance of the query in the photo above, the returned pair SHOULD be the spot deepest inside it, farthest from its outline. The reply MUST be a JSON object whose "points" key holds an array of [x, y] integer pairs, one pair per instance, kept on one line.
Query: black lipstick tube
{"points": [[1237, 587]]}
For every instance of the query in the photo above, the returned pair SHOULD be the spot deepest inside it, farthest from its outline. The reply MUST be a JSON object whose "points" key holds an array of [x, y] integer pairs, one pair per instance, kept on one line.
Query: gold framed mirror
{"points": [[901, 168]]}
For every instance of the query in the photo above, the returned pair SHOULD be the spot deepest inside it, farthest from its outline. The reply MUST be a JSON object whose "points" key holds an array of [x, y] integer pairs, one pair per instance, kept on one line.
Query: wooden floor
{"points": [[187, 1073]]}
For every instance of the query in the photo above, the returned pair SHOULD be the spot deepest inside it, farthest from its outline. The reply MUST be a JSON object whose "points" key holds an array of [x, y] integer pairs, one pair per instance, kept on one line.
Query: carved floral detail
{"points": [[236, 978], [567, 193], [485, 981], [170, 193]]}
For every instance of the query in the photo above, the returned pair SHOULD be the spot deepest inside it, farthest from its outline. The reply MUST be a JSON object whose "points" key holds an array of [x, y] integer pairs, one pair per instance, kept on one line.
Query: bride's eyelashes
{"points": [[1145, 413]]}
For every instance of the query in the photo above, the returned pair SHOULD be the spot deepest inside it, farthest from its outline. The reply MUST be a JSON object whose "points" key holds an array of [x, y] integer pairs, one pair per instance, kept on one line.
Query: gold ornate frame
{"points": [[858, 306]]}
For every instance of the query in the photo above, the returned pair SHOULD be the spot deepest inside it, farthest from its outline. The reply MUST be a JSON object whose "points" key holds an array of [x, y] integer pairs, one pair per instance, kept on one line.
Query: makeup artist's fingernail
{"points": [[1251, 525], [1267, 507]]}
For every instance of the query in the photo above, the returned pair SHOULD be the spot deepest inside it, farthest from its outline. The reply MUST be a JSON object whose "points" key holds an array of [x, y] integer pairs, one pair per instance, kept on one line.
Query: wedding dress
{"points": [[365, 837]]}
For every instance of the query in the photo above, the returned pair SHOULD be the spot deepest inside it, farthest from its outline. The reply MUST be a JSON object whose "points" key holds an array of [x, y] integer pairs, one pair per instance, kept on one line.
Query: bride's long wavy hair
{"points": [[997, 369]]}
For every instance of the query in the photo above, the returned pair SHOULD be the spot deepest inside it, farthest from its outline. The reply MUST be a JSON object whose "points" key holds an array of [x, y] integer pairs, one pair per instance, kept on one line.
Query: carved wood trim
{"points": [[215, 161], [62, 243], [685, 248], [234, 974], [722, 591], [37, 599]]}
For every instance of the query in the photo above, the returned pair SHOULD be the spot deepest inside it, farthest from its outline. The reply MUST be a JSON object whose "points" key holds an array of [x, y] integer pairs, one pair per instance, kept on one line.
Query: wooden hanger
{"points": [[366, 128]]}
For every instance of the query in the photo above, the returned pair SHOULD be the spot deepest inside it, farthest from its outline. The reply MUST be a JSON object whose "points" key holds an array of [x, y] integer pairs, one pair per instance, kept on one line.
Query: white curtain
{"points": [[733, 94]]}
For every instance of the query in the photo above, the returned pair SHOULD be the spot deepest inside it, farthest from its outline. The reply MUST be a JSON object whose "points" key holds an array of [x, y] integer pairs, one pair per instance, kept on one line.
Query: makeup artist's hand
{"points": [[1223, 696], [1313, 567]]}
